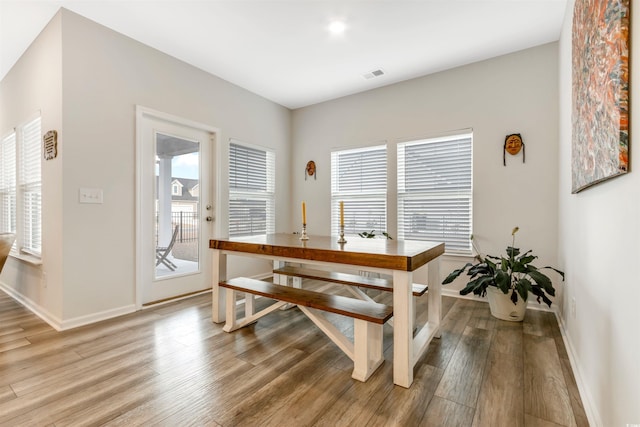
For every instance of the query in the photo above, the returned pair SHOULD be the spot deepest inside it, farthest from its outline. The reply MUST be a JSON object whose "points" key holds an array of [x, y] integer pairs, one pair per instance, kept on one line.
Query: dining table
{"points": [[398, 258]]}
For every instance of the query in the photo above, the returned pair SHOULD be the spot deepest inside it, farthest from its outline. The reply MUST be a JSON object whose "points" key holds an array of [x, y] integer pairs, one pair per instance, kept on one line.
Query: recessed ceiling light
{"points": [[337, 27]]}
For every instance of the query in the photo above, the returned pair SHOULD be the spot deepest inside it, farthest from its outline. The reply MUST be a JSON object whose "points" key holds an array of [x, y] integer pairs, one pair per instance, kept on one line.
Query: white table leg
{"points": [[434, 295], [279, 279], [219, 273], [402, 328]]}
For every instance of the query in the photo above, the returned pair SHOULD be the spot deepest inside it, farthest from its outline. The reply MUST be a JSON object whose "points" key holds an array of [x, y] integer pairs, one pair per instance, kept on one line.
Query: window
{"points": [[251, 190], [21, 187], [8, 184], [435, 191], [176, 188], [359, 178]]}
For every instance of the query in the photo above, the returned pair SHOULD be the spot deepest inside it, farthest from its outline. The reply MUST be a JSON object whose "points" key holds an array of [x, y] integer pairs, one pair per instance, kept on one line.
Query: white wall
{"points": [[35, 84], [105, 75], [599, 249], [512, 93], [87, 80]]}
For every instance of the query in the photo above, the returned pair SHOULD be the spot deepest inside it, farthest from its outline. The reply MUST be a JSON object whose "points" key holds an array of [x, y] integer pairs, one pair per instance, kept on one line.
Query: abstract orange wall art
{"points": [[600, 115]]}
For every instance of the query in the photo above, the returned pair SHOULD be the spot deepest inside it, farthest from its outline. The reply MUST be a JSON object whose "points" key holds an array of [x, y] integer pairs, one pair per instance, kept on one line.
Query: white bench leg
{"points": [[367, 349], [249, 304], [232, 320]]}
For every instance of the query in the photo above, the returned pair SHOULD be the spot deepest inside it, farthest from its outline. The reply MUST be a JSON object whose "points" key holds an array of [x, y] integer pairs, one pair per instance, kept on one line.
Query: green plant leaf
{"points": [[490, 264], [514, 297], [525, 258], [561, 273], [537, 291], [543, 281], [523, 286], [455, 273], [481, 268], [512, 252], [518, 267], [477, 286], [502, 281]]}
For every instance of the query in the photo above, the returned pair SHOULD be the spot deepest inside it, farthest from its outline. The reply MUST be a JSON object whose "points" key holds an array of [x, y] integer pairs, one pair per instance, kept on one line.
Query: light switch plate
{"points": [[90, 195]]}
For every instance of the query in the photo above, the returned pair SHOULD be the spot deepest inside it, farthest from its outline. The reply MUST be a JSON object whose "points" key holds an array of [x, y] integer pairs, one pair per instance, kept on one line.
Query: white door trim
{"points": [[142, 113]]}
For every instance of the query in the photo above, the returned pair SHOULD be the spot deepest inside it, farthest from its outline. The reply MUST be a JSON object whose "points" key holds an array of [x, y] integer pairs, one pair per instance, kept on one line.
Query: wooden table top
{"points": [[405, 255]]}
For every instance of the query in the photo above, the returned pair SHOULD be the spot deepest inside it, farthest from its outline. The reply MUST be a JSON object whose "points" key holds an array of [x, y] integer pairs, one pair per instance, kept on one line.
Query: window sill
{"points": [[458, 257], [29, 259]]}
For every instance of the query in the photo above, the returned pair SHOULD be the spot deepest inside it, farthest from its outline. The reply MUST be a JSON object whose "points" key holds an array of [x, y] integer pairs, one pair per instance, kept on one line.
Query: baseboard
{"points": [[456, 294], [590, 408], [33, 307], [63, 325], [97, 317]]}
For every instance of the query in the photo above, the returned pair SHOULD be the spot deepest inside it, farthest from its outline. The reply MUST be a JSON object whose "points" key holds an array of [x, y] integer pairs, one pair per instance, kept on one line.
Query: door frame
{"points": [[143, 113]]}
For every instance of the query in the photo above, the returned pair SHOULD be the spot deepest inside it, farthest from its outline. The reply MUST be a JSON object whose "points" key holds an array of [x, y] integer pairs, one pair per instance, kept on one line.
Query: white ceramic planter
{"points": [[503, 308]]}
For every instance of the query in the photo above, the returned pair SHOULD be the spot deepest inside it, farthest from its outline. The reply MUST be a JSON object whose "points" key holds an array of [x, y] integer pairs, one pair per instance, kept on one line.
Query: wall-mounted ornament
{"points": [[50, 145], [601, 50], [512, 145], [310, 170]]}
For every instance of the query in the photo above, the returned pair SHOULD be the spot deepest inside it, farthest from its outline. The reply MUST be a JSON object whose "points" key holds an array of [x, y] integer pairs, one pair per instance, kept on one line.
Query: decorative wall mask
{"points": [[310, 170], [512, 145]]}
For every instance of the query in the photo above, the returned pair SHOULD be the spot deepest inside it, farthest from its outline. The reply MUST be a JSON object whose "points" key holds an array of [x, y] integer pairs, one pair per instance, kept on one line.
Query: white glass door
{"points": [[176, 208]]}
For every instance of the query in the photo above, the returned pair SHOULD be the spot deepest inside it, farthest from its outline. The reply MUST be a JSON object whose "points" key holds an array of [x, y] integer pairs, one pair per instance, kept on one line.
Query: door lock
{"points": [[209, 218]]}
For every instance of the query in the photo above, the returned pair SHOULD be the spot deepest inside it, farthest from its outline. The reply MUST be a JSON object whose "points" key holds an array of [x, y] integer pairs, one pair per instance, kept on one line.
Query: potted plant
{"points": [[373, 235], [507, 280]]}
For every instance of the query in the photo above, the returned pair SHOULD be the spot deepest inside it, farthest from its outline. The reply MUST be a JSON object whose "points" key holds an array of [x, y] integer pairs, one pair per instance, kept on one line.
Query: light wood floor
{"points": [[171, 366]]}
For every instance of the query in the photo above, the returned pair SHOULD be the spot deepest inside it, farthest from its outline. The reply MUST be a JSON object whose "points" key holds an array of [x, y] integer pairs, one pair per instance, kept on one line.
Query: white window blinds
{"points": [[251, 190], [21, 187], [359, 179], [435, 191], [30, 187], [8, 184]]}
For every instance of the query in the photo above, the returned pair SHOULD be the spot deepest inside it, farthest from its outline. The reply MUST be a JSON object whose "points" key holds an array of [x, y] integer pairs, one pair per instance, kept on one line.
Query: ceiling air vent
{"points": [[372, 74]]}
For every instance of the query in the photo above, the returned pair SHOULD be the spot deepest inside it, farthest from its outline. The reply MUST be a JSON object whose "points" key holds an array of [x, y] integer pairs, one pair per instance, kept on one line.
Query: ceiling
{"points": [[283, 51]]}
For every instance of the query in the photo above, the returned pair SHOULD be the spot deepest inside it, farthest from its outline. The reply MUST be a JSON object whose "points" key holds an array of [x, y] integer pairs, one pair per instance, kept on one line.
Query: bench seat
{"points": [[368, 317], [346, 279], [359, 309]]}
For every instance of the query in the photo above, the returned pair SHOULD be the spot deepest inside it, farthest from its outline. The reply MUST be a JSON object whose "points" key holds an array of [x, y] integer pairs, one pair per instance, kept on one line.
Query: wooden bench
{"points": [[366, 349], [346, 279]]}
